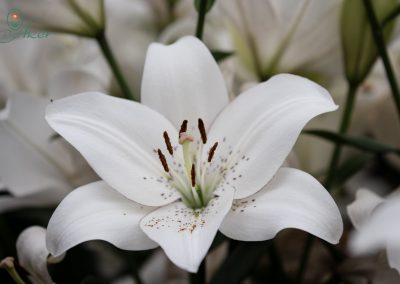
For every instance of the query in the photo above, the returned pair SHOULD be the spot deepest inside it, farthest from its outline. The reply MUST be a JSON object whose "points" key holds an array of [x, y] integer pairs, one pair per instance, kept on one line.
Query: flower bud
{"points": [[359, 48]]}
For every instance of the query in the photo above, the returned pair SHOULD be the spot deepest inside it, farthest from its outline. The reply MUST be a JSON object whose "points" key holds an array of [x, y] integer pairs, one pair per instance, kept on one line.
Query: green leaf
{"points": [[359, 49], [210, 4], [240, 263], [360, 143], [221, 55]]}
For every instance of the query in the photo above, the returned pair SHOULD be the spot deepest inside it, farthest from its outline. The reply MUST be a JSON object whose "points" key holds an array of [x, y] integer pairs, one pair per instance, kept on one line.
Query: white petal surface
{"points": [[118, 137], [259, 128], [183, 81], [33, 254], [360, 210], [381, 229], [97, 212], [185, 235], [393, 255], [28, 156], [292, 199]]}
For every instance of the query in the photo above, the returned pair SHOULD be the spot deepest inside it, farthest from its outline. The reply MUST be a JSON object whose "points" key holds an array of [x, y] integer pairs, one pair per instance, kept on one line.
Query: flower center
{"points": [[194, 179]]}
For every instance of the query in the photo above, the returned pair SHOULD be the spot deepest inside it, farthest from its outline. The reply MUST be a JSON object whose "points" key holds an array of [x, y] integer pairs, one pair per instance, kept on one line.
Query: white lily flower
{"points": [[376, 221], [68, 16], [275, 36], [33, 255], [187, 163]]}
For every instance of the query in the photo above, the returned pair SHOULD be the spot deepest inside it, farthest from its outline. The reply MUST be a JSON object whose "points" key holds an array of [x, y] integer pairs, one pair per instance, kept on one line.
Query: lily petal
{"points": [[360, 210], [118, 137], [381, 229], [96, 211], [184, 234], [183, 81], [259, 128], [292, 199], [33, 254]]}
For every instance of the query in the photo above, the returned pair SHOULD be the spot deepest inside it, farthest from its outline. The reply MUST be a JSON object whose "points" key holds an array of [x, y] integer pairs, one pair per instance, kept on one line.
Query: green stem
{"points": [[276, 264], [381, 46], [108, 54], [201, 18], [304, 259], [137, 277], [15, 276], [200, 276], [344, 125]]}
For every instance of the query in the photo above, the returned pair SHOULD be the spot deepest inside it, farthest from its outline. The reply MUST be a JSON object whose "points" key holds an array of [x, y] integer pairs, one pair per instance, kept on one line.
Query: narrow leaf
{"points": [[221, 55], [360, 143]]}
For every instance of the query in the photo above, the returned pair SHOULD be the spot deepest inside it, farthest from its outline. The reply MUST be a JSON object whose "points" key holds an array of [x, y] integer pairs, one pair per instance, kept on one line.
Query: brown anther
{"points": [[168, 143], [202, 130], [183, 127], [193, 175], [163, 160], [212, 151]]}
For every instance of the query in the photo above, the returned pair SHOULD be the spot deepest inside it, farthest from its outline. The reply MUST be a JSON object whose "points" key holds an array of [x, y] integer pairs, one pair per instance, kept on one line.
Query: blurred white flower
{"points": [[376, 221], [33, 255], [221, 170], [34, 67], [274, 36], [36, 167]]}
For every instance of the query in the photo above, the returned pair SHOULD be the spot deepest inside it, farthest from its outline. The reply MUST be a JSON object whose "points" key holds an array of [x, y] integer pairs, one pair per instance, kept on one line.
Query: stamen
{"points": [[163, 160], [183, 127], [202, 130], [212, 151], [168, 143], [193, 175]]}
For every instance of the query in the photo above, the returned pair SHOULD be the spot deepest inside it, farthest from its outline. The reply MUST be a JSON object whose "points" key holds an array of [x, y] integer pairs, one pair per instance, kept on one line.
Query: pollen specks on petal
{"points": [[182, 219], [242, 205]]}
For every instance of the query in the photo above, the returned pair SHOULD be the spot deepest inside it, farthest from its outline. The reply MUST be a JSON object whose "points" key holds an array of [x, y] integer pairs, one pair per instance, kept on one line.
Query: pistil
{"points": [[185, 140]]}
